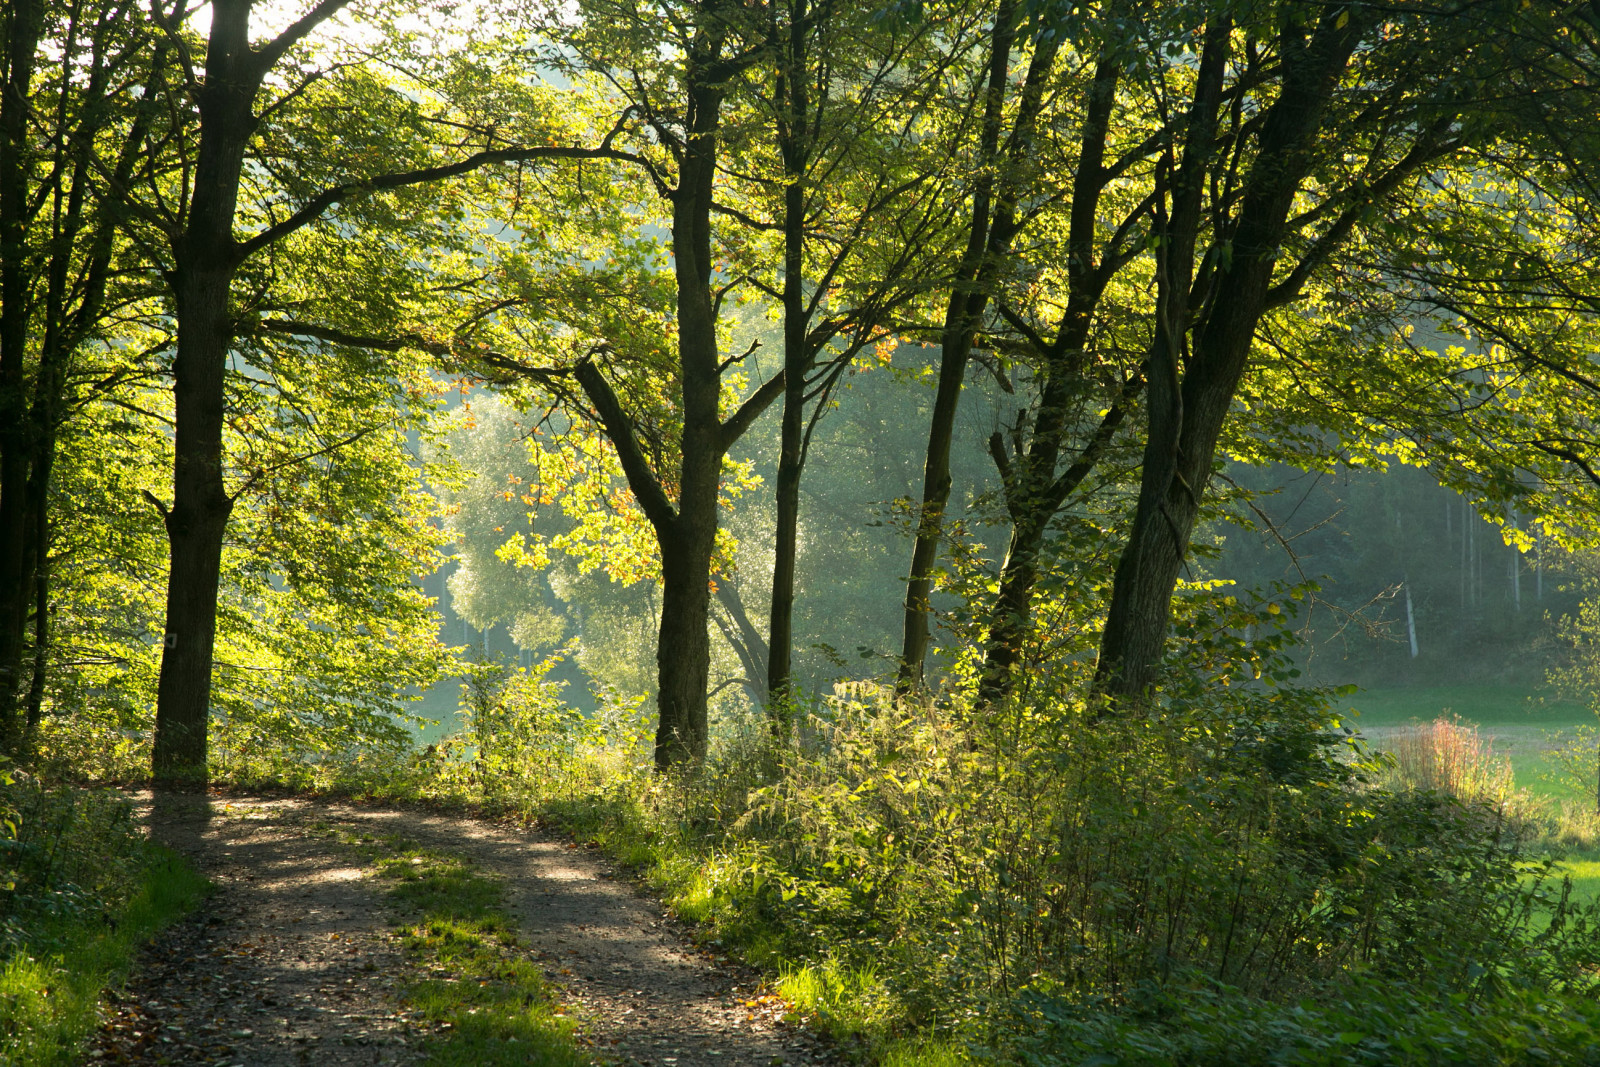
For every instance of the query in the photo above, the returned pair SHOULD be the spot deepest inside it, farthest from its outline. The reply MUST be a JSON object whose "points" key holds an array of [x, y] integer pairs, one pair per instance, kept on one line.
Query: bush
{"points": [[1101, 857], [1448, 756], [1381, 1024], [68, 857], [1045, 879]]}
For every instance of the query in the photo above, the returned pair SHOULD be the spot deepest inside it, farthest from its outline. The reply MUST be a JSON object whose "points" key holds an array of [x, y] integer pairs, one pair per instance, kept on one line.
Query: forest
{"points": [[916, 482]]}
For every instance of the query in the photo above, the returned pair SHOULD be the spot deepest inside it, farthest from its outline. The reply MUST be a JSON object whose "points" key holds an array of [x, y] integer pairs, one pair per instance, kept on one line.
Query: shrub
{"points": [[1044, 875], [1448, 756], [1381, 1024]]}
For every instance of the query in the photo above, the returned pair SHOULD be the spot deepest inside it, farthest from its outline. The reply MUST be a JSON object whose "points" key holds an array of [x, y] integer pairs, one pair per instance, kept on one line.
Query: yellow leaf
{"points": [[1342, 21]]}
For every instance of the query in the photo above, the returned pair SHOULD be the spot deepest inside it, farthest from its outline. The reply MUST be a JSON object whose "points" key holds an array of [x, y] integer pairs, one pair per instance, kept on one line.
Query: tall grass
{"points": [[1448, 756]]}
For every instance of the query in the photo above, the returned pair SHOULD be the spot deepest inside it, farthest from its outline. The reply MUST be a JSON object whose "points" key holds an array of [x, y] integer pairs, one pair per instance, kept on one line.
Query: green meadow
{"points": [[1518, 723], [1515, 722]]}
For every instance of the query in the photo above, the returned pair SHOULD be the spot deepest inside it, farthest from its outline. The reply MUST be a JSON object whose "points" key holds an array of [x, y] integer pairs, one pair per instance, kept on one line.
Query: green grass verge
{"points": [[701, 885], [486, 1003], [50, 987]]}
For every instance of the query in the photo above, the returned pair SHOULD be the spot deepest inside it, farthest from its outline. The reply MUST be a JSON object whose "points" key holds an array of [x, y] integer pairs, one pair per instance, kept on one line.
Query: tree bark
{"points": [[797, 359], [686, 533], [62, 189], [205, 260], [1034, 490], [1190, 399], [993, 225], [683, 654], [23, 26], [1010, 618]]}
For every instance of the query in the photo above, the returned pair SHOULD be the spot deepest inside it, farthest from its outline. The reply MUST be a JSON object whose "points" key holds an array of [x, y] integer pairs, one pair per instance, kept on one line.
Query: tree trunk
{"points": [[986, 241], [745, 640], [683, 651], [41, 637], [683, 654], [196, 524], [797, 358], [1186, 415], [1034, 492], [1010, 615], [1033, 509], [205, 260], [22, 25]]}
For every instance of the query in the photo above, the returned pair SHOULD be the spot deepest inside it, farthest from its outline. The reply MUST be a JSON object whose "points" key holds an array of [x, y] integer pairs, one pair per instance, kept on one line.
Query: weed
{"points": [[1449, 756]]}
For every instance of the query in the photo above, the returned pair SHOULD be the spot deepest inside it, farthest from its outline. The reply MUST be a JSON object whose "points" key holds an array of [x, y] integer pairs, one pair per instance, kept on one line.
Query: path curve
{"points": [[292, 960]]}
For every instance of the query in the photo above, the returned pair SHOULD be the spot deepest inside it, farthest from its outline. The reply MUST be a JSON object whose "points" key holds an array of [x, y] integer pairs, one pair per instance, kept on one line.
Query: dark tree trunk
{"points": [[1034, 491], [1186, 413], [683, 651], [75, 274], [993, 225], [206, 258], [1010, 618], [683, 655], [36, 566], [22, 26], [41, 634], [797, 359], [196, 524]]}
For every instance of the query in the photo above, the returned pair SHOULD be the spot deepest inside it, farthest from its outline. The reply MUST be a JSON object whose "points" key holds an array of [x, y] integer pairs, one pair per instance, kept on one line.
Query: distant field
{"points": [[1516, 722], [1484, 705], [439, 703]]}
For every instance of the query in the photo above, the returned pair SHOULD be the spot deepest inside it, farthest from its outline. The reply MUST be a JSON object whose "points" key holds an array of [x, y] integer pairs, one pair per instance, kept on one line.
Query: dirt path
{"points": [[293, 961]]}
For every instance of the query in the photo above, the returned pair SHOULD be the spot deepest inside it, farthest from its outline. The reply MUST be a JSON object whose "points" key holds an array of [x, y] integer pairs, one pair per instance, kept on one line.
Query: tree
{"points": [[60, 254], [1308, 134], [1009, 112], [673, 64], [206, 259], [851, 138]]}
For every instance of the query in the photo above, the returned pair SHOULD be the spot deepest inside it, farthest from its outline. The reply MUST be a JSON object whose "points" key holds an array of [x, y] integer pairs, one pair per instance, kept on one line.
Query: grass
{"points": [[1481, 704], [1513, 722], [487, 1004], [1585, 875], [51, 984], [1506, 723]]}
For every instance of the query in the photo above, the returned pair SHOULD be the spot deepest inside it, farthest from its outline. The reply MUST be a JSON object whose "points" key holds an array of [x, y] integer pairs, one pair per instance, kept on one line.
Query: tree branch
{"points": [[1570, 456], [556, 379], [268, 54], [313, 209], [1090, 455], [619, 428], [1427, 148], [1002, 464], [349, 439], [737, 423]]}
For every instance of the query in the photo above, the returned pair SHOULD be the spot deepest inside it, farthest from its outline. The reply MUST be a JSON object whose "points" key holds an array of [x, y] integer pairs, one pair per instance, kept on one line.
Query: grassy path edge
{"points": [[50, 997]]}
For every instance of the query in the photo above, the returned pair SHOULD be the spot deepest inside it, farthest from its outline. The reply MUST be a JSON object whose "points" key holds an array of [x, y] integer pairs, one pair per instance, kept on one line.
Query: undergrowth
{"points": [[485, 1002], [1046, 885], [1220, 877], [83, 892]]}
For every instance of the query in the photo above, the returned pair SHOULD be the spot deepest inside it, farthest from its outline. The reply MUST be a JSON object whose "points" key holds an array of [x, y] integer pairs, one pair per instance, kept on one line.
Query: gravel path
{"points": [[293, 960]]}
